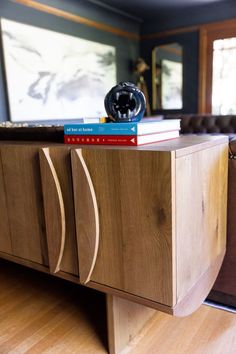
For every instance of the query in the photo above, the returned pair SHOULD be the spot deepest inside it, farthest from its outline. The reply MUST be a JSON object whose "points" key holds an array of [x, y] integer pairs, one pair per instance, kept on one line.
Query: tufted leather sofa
{"points": [[224, 290], [206, 124]]}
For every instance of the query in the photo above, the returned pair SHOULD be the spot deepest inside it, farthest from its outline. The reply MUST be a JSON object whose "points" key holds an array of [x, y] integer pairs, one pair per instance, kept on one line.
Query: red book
{"points": [[127, 140]]}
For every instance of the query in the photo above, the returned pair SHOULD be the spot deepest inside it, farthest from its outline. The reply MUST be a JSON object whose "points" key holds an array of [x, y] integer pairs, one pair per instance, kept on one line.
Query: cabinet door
{"points": [[20, 166], [123, 208], [56, 177], [5, 239]]}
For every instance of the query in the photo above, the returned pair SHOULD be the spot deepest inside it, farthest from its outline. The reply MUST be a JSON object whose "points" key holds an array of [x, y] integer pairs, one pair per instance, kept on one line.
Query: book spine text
{"points": [[101, 140]]}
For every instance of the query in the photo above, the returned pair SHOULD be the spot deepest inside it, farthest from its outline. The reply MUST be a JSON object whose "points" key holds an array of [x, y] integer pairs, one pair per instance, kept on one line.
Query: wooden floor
{"points": [[42, 314]]}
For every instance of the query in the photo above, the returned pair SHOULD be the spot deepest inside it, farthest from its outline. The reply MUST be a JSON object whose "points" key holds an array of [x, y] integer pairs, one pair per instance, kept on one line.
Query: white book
{"points": [[143, 127]]}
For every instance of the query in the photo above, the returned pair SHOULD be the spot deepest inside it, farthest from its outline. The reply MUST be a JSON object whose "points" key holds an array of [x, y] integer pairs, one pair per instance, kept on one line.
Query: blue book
{"points": [[140, 128]]}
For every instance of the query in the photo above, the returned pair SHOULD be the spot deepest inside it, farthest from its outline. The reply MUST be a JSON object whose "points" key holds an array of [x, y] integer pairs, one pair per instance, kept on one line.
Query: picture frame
{"points": [[55, 76]]}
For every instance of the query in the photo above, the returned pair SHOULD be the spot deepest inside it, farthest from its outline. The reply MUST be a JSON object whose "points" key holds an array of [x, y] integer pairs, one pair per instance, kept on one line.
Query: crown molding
{"points": [[76, 18]]}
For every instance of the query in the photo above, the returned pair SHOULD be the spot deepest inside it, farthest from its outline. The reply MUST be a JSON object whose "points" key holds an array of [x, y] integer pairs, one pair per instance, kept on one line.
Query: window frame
{"points": [[208, 34]]}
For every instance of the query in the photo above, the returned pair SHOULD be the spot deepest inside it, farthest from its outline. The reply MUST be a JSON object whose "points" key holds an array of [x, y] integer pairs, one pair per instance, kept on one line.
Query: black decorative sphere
{"points": [[125, 102]]}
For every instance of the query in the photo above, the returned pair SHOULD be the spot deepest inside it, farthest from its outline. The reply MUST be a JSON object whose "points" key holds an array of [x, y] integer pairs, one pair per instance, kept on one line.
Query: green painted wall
{"points": [[127, 50]]}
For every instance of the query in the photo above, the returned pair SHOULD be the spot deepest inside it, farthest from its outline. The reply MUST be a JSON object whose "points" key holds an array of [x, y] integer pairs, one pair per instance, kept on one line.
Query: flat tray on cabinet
{"points": [[33, 133]]}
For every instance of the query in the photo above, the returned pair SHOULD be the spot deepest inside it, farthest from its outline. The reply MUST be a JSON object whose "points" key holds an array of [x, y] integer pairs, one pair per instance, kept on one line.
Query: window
{"points": [[224, 76], [218, 68]]}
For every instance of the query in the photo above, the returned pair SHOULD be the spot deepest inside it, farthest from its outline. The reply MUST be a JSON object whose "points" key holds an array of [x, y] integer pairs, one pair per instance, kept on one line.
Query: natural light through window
{"points": [[224, 76]]}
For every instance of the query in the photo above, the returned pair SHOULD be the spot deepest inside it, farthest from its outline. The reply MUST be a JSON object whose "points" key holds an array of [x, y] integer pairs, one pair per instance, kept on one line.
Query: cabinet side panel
{"points": [[201, 192], [24, 200], [133, 191], [5, 238]]}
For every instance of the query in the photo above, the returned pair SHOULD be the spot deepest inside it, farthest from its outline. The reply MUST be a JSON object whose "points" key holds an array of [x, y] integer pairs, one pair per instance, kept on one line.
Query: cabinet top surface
{"points": [[181, 146], [187, 144]]}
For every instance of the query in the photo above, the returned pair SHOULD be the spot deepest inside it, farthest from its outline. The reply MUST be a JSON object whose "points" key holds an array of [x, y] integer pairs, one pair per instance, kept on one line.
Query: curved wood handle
{"points": [[87, 217], [54, 211]]}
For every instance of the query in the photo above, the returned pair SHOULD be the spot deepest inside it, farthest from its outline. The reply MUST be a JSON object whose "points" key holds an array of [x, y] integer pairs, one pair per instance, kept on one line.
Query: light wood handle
{"points": [[87, 217], [54, 211]]}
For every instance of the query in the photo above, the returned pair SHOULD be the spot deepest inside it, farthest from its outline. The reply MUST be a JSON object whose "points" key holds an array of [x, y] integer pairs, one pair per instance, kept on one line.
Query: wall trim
{"points": [[170, 32], [218, 25], [76, 18]]}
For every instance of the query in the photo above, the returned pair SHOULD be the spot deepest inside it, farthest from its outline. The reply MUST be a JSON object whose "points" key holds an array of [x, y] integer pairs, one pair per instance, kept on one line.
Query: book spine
{"points": [[127, 140], [101, 129]]}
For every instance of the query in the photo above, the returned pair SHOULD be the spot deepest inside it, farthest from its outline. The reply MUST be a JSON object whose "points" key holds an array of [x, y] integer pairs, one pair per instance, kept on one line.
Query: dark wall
{"points": [[173, 19], [127, 50], [189, 16]]}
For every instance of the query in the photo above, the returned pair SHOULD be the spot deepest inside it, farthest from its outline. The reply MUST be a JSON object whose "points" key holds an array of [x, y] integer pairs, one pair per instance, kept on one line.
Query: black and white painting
{"points": [[55, 76]]}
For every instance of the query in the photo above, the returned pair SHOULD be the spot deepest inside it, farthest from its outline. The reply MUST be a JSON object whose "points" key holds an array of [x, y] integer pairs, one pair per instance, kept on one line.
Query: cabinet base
{"points": [[199, 291], [187, 305], [127, 323]]}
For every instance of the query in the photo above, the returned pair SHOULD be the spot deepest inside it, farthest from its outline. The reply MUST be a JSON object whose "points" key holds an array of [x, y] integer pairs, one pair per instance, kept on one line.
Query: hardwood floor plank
{"points": [[207, 331], [40, 314]]}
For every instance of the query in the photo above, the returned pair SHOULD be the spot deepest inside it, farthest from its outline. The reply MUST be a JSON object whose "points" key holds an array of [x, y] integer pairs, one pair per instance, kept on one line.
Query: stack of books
{"points": [[129, 134]]}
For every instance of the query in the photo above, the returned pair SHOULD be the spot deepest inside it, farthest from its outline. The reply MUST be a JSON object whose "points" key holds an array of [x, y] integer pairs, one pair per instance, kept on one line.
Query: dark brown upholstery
{"points": [[224, 289], [206, 124], [33, 133]]}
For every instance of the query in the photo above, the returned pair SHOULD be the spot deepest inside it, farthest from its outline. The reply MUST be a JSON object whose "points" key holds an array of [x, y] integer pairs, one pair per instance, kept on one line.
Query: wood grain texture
{"points": [[42, 314], [162, 221], [217, 26], [190, 302], [20, 164], [202, 74], [197, 294], [158, 244], [87, 218], [206, 331], [226, 281], [24, 262], [133, 192], [220, 25], [181, 146], [201, 197], [76, 18], [54, 211], [60, 224], [126, 323], [131, 297], [5, 236], [36, 266], [170, 32]]}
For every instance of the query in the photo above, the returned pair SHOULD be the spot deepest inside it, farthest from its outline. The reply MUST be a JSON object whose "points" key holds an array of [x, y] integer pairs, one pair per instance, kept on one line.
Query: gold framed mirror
{"points": [[167, 77]]}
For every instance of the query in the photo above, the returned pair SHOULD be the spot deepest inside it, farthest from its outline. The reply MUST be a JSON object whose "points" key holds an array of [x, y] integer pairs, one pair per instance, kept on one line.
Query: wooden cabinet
{"points": [[21, 179], [146, 223], [151, 220], [133, 193], [37, 205], [5, 238]]}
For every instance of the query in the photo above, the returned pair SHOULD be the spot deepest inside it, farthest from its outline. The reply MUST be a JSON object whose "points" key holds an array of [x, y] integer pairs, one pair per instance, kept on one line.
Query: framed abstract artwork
{"points": [[55, 76]]}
